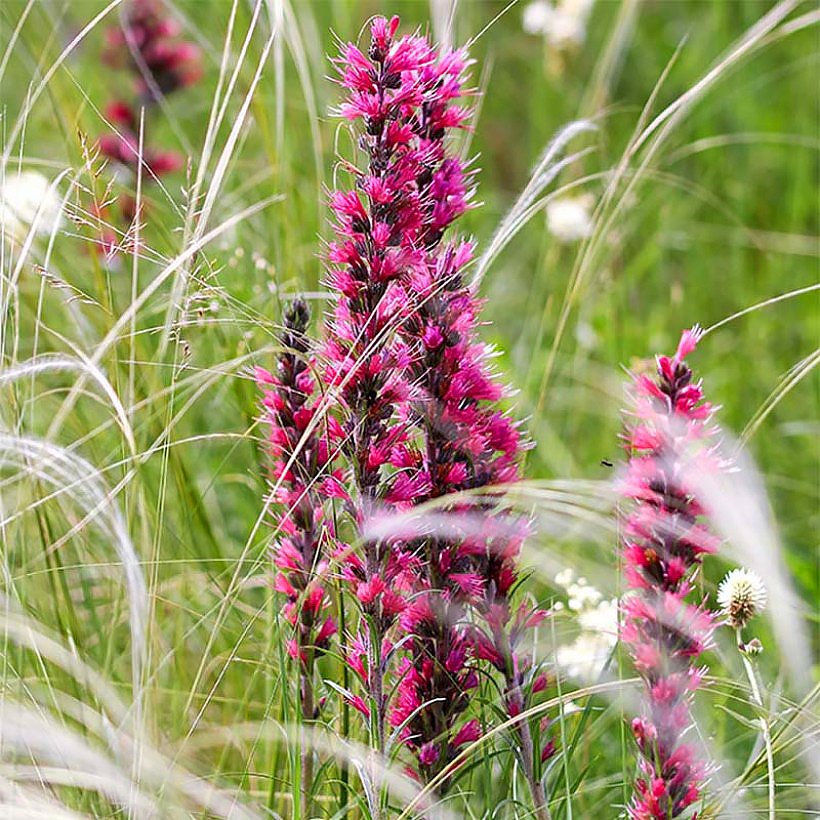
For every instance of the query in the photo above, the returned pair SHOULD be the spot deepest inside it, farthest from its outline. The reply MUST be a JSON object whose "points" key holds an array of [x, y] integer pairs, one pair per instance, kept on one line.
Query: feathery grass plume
{"points": [[145, 44], [303, 478], [664, 541]]}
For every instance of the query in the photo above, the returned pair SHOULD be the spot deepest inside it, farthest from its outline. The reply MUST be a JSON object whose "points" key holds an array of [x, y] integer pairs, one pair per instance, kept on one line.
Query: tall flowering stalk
{"points": [[383, 226], [302, 478], [422, 420], [664, 541], [416, 416]]}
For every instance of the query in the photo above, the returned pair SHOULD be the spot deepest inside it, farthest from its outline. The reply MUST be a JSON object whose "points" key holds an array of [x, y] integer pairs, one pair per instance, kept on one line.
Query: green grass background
{"points": [[727, 218]]}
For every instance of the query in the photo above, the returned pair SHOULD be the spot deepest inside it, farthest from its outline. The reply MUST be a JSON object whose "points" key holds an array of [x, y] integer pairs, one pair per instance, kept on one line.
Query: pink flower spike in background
{"points": [[300, 476], [144, 43]]}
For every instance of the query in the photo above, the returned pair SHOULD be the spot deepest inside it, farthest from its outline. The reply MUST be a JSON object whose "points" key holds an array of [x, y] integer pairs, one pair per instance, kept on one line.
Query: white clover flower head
{"points": [[741, 596], [568, 219]]}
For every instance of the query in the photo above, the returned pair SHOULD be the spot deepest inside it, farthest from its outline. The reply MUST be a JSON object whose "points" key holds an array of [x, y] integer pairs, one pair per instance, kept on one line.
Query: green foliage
{"points": [[723, 217]]}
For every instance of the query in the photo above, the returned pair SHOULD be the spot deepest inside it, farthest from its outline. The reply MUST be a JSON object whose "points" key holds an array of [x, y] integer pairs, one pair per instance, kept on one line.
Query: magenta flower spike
{"points": [[401, 203], [403, 335], [664, 542], [419, 413], [302, 478]]}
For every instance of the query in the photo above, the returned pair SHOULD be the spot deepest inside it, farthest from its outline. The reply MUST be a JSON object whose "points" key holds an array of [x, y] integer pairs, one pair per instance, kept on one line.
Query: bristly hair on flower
{"points": [[665, 538]]}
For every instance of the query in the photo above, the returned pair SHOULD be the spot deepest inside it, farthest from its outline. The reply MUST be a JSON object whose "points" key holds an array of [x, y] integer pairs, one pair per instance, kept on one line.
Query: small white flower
{"points": [[26, 200], [601, 619], [569, 23], [568, 219], [741, 596], [585, 657], [583, 594], [538, 17], [563, 24], [565, 577]]}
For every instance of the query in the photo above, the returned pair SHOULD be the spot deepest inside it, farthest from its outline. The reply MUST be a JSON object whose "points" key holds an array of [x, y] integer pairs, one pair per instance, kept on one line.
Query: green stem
{"points": [[307, 741], [345, 773], [377, 696], [764, 724]]}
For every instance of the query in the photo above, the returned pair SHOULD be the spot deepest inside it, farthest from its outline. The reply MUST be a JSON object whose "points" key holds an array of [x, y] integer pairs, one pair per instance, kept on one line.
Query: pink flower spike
{"points": [[664, 539]]}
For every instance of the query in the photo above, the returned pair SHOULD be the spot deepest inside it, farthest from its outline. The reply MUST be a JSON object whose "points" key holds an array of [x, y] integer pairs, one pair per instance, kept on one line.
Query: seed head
{"points": [[741, 596]]}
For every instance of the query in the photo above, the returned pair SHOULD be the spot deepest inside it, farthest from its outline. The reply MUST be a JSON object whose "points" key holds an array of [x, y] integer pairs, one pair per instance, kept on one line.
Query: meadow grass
{"points": [[143, 662]]}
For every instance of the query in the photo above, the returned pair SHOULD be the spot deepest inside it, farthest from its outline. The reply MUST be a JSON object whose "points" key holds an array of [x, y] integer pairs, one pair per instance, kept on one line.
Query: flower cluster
{"points": [[415, 416], [664, 541], [597, 617], [421, 417]]}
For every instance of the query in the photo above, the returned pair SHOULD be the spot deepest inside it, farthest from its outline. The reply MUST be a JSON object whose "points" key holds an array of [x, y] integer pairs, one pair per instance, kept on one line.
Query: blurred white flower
{"points": [[568, 219], [26, 200], [585, 657], [582, 596], [597, 618], [601, 619], [563, 24], [585, 335], [741, 596], [537, 17]]}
